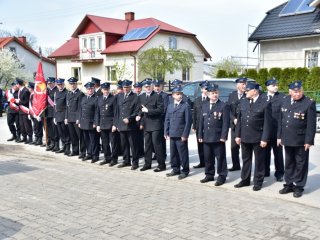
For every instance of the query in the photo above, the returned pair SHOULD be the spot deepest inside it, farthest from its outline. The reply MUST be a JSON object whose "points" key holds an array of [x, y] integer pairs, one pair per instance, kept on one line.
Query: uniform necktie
{"points": [[203, 99], [239, 96], [251, 101], [175, 105], [269, 97], [211, 106]]}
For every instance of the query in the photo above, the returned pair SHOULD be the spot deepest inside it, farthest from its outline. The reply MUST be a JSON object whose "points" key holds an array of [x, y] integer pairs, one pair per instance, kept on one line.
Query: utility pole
{"points": [[250, 27]]}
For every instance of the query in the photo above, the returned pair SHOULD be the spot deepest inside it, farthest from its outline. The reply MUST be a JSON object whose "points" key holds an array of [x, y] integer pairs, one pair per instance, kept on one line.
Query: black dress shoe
{"points": [[241, 184], [134, 167], [123, 165], [182, 176], [297, 194], [234, 169], [279, 179], [158, 169], [207, 179], [81, 156], [94, 160], [219, 183], [86, 158], [171, 174], [256, 188], [104, 162], [199, 166], [111, 164], [60, 151], [144, 168], [12, 138], [73, 154], [286, 189]]}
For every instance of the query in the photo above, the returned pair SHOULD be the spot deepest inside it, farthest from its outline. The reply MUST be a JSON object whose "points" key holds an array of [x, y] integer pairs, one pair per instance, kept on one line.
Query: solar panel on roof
{"points": [[294, 7], [138, 33]]}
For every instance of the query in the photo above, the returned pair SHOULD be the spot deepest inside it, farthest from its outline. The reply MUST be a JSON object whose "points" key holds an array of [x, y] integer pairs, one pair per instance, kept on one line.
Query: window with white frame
{"points": [[111, 74], [186, 74], [84, 43], [172, 42], [99, 43], [312, 58], [92, 49], [76, 72]]}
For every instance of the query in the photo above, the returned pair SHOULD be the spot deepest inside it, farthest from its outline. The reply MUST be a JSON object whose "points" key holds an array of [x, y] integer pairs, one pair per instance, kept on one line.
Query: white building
{"points": [[107, 48], [289, 35], [27, 56]]}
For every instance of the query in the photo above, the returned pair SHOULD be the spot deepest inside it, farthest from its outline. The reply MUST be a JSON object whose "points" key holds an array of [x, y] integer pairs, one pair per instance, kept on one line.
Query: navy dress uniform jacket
{"points": [[276, 102], [178, 120], [24, 97], [152, 120], [197, 108], [105, 112], [297, 124], [254, 123], [60, 100], [165, 98], [50, 109], [234, 102], [127, 108], [73, 105], [87, 112], [214, 124]]}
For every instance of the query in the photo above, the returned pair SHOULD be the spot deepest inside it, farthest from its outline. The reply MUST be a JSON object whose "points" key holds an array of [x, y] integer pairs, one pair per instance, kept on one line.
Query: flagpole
{"points": [[45, 126]]}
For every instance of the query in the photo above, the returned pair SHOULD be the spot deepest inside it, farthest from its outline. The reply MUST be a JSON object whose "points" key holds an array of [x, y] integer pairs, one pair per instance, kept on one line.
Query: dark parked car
{"points": [[226, 86], [318, 117]]}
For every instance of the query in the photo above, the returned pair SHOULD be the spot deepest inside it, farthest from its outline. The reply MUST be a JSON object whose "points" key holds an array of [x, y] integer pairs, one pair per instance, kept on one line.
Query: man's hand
{"points": [[29, 117], [114, 129], [238, 140], [138, 118], [126, 120], [17, 100], [98, 129], [279, 143], [183, 139], [194, 130], [307, 146], [66, 121], [235, 121], [222, 140], [200, 140], [141, 127], [55, 121], [166, 137], [263, 144], [94, 126], [144, 109], [77, 121]]}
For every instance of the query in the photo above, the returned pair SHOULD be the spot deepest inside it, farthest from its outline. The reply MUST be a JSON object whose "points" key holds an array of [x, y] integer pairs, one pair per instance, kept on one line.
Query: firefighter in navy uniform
{"points": [[74, 98], [104, 118], [140, 138], [53, 137], [97, 86], [158, 88], [275, 98], [296, 132], [254, 125], [86, 119], [177, 83], [197, 107], [234, 99], [152, 109], [13, 113], [127, 109], [213, 131], [177, 128], [23, 102], [59, 114]]}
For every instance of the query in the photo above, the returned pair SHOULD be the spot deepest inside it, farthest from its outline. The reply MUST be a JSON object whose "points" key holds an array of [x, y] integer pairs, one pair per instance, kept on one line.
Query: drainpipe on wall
{"points": [[134, 68]]}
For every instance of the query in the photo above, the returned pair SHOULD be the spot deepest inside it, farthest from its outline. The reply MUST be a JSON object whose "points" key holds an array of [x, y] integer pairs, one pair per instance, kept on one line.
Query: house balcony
{"points": [[89, 55]]}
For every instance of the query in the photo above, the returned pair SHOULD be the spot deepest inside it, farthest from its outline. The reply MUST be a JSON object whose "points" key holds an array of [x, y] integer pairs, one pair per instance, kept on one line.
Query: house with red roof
{"points": [[100, 46], [27, 56]]}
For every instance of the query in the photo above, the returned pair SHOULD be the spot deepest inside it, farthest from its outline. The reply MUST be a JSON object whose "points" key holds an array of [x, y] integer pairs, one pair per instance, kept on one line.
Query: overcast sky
{"points": [[221, 26]]}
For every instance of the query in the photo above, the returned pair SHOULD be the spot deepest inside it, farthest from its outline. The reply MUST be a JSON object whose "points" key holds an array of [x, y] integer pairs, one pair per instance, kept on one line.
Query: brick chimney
{"points": [[129, 16], [23, 39]]}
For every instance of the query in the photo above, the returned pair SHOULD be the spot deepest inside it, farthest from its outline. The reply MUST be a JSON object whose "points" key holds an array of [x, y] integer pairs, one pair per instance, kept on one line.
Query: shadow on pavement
{"points": [[9, 227], [13, 167], [312, 183]]}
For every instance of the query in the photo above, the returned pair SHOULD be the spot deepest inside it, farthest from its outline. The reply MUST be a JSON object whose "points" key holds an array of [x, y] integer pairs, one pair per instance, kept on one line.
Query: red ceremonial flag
{"points": [[39, 102]]}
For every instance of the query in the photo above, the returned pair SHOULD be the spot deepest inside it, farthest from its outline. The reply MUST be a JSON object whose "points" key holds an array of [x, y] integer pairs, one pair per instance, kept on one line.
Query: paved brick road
{"points": [[47, 196]]}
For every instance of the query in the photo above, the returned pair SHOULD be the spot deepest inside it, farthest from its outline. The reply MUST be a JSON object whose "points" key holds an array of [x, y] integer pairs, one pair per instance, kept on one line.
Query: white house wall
{"points": [[31, 61], [286, 53], [124, 60], [186, 43]]}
